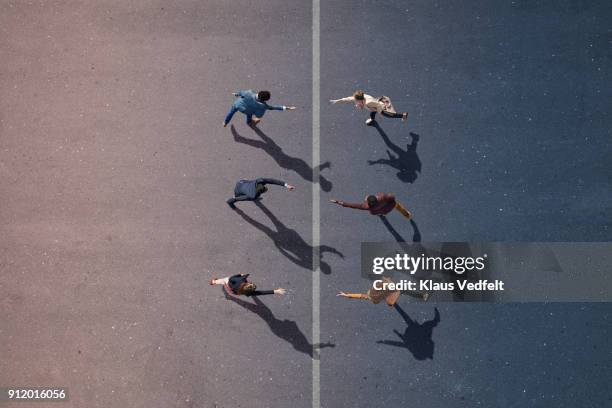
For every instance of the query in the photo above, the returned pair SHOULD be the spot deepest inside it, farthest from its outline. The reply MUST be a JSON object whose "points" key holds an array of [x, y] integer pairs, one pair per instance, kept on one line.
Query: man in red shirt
{"points": [[379, 204]]}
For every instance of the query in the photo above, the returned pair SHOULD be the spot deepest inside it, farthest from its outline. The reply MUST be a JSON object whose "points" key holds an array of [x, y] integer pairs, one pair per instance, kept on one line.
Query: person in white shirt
{"points": [[380, 105]]}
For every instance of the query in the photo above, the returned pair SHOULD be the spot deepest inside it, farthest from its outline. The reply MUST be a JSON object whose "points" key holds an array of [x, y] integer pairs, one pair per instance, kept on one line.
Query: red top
{"points": [[385, 204]]}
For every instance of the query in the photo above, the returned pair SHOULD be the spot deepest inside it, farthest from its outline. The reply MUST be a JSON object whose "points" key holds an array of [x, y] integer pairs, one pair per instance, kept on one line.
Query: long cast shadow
{"points": [[416, 236], [295, 164], [289, 242], [287, 330], [417, 338], [406, 162]]}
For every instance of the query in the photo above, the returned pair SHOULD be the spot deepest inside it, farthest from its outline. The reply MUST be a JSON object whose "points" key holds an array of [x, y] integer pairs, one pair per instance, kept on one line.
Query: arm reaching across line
{"points": [[264, 180]]}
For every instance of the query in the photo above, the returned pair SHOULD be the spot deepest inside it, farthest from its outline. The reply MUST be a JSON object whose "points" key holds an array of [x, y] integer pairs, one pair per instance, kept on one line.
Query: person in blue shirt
{"points": [[252, 103], [250, 190]]}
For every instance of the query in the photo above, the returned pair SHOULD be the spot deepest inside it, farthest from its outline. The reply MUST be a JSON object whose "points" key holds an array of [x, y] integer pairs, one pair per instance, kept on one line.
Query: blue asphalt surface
{"points": [[511, 104], [115, 169]]}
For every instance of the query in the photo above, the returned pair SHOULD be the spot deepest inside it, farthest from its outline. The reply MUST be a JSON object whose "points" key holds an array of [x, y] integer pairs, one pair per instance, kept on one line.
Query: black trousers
{"points": [[387, 115]]}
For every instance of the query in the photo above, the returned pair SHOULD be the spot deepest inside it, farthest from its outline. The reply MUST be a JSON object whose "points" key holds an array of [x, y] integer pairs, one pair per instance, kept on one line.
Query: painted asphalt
{"points": [[116, 167]]}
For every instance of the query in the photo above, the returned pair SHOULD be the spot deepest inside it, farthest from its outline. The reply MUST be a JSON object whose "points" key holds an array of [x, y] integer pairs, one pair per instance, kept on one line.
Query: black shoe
{"points": [[232, 205]]}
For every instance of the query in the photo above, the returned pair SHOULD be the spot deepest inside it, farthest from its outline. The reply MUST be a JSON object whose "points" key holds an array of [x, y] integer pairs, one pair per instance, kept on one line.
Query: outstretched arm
{"points": [[220, 281], [353, 295], [279, 291], [264, 180], [357, 206], [343, 100], [280, 107]]}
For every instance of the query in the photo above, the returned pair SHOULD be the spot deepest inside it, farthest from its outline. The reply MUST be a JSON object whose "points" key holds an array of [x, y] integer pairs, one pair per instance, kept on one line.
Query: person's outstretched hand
{"points": [[290, 107], [342, 294], [290, 187], [333, 200], [279, 291], [334, 101]]}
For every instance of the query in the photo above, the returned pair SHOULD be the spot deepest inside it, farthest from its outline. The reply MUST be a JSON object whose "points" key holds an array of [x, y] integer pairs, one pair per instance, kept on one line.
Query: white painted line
{"points": [[316, 220]]}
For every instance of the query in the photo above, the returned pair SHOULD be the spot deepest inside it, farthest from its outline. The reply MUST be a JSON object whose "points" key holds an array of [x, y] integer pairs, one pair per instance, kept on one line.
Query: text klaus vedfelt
{"points": [[412, 264]]}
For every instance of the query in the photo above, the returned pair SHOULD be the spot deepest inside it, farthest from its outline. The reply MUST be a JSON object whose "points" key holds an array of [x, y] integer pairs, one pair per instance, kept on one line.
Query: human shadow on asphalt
{"points": [[406, 162], [287, 330], [284, 160], [289, 242], [417, 338], [416, 236]]}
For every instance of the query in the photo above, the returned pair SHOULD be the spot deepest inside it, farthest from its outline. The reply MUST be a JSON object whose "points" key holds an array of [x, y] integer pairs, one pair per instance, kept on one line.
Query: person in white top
{"points": [[380, 105]]}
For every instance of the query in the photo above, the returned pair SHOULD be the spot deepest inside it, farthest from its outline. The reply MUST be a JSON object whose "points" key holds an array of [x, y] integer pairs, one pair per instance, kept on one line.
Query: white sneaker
{"points": [[369, 121]]}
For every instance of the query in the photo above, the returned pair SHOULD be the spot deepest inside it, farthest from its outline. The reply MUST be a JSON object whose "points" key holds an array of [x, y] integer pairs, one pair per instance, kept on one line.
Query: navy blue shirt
{"points": [[248, 188], [248, 104]]}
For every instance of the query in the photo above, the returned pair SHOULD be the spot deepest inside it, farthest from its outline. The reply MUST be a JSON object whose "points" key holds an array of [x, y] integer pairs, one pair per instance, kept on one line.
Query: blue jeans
{"points": [[230, 114]]}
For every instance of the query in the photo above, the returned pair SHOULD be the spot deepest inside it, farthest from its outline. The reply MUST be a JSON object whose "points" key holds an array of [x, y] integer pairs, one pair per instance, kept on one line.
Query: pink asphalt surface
{"points": [[115, 171]]}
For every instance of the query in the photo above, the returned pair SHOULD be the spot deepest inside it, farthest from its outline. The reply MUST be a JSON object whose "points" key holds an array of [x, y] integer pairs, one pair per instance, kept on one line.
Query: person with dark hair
{"points": [[252, 103], [240, 285], [250, 190], [380, 105], [379, 204]]}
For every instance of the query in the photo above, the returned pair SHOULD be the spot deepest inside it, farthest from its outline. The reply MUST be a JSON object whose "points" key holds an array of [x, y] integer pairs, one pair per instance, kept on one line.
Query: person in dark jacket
{"points": [[250, 190], [240, 285], [252, 103], [379, 204]]}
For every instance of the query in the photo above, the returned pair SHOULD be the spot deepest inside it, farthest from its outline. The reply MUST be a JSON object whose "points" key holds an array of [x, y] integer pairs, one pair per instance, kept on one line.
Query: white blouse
{"points": [[373, 104]]}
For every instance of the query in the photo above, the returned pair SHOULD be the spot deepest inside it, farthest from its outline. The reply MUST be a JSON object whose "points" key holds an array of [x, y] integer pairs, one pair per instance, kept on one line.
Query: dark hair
{"points": [[237, 282], [359, 95], [372, 200], [263, 96], [261, 188]]}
